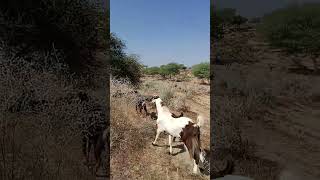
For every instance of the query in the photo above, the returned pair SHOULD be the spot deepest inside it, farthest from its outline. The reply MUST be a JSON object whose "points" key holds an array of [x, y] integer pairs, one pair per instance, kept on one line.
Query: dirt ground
{"points": [[154, 162], [285, 131]]}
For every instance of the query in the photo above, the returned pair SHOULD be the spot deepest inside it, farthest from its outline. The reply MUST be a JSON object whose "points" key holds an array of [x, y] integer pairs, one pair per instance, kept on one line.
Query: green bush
{"points": [[152, 70], [201, 70], [182, 66], [295, 29], [124, 66], [170, 69], [221, 18]]}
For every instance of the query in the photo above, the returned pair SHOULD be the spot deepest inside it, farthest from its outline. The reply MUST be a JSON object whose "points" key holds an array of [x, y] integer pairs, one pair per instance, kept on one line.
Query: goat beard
{"points": [[194, 150]]}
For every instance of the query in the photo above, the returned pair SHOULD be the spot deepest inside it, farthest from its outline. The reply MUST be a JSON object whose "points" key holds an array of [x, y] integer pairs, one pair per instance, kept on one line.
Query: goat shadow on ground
{"points": [[153, 115], [181, 147]]}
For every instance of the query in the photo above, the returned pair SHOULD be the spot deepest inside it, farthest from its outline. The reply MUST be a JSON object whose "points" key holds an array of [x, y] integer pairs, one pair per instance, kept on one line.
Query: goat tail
{"points": [[200, 120]]}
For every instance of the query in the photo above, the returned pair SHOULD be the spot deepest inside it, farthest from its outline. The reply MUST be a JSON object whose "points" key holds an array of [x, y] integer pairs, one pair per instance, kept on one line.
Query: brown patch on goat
{"points": [[190, 136]]}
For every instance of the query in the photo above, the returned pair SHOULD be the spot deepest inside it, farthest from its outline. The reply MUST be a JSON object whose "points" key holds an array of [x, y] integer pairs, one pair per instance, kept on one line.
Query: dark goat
{"points": [[94, 137], [101, 142], [93, 129], [141, 103]]}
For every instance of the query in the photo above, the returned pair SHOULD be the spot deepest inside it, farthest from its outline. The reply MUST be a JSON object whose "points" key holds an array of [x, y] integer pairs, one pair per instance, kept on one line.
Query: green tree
{"points": [[123, 65], [219, 19], [117, 47], [170, 69], [152, 70], [296, 30], [182, 66], [201, 70]]}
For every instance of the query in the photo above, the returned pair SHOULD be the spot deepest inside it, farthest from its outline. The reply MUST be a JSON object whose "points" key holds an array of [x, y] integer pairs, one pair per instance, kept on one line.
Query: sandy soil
{"points": [[154, 162]]}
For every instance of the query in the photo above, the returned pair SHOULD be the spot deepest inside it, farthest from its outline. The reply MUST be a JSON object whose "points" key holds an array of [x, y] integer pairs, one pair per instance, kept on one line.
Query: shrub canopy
{"points": [[296, 29], [201, 70], [152, 70], [76, 28], [124, 66], [169, 69]]}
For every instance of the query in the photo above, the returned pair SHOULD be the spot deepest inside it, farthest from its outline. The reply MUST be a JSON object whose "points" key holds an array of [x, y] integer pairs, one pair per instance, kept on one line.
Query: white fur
{"points": [[200, 120], [166, 122], [173, 126]]}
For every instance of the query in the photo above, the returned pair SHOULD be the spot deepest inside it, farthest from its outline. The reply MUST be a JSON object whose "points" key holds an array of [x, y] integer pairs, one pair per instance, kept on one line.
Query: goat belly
{"points": [[175, 129]]}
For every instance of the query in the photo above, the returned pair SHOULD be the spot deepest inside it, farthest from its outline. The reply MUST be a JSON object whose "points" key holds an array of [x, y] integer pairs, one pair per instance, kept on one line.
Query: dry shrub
{"points": [[243, 94], [149, 85], [128, 134], [244, 81], [166, 93], [179, 103], [41, 121]]}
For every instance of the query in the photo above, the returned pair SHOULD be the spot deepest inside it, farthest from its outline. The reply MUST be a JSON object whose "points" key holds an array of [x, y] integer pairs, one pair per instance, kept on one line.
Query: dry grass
{"points": [[126, 134], [40, 121], [244, 95], [132, 155]]}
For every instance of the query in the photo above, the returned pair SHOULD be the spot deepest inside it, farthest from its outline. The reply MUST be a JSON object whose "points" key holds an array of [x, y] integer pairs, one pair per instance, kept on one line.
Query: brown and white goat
{"points": [[183, 128]]}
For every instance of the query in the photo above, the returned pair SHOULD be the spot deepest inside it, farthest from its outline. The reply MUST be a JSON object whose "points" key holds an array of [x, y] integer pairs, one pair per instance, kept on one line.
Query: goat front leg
{"points": [[155, 140], [145, 110], [170, 144]]}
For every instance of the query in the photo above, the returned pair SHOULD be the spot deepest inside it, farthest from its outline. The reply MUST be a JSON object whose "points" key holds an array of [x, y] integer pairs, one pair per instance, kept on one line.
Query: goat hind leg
{"points": [[170, 144], [145, 110]]}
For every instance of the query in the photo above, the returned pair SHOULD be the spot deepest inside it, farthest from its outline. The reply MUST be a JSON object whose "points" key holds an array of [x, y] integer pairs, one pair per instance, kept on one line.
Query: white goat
{"points": [[183, 128]]}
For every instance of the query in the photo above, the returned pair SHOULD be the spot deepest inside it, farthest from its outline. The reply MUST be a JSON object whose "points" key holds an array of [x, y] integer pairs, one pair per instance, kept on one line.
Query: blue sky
{"points": [[163, 31]]}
